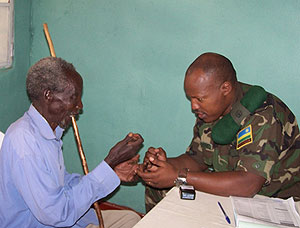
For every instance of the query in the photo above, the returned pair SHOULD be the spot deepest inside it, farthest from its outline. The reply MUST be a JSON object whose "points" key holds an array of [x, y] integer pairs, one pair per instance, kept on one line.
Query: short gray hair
{"points": [[49, 73]]}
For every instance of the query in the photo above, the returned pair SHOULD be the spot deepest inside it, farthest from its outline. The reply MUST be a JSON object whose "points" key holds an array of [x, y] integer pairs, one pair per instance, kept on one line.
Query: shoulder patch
{"points": [[244, 137]]}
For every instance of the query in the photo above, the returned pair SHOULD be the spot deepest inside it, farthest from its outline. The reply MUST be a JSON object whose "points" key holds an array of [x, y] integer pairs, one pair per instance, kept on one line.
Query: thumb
{"points": [[136, 157], [133, 160]]}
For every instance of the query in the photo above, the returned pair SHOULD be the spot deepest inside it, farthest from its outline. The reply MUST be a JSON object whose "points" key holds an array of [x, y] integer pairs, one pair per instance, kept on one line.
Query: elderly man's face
{"points": [[207, 99], [67, 103]]}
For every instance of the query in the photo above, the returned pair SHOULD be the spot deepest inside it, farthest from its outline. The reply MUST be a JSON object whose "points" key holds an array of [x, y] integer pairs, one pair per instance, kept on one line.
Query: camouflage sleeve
{"points": [[201, 149], [193, 149], [259, 144]]}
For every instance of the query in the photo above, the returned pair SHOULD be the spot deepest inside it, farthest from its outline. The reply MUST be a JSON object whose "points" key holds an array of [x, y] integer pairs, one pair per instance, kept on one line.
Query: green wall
{"points": [[133, 55], [13, 98]]}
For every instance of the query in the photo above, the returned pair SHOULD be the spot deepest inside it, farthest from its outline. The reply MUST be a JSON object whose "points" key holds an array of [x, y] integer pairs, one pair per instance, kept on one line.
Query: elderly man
{"points": [[35, 188], [246, 141]]}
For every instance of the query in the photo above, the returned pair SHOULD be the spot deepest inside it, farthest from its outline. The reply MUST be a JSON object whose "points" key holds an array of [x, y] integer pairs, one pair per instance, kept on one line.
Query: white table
{"points": [[201, 212]]}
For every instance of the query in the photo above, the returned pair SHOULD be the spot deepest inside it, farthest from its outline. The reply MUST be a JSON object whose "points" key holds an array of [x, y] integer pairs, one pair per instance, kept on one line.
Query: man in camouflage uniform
{"points": [[263, 157]]}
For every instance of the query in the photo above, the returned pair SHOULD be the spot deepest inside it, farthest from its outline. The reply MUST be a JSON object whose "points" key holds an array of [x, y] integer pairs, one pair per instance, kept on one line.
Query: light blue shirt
{"points": [[35, 189]]}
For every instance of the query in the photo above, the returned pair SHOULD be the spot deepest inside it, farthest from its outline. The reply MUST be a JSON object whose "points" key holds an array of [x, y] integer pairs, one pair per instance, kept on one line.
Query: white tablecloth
{"points": [[201, 212]]}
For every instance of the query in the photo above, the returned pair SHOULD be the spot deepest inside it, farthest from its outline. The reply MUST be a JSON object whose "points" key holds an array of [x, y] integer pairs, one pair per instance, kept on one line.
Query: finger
{"points": [[128, 137], [124, 141], [161, 158], [148, 176], [152, 150], [161, 155], [147, 156], [135, 159], [134, 168], [146, 161], [145, 165], [144, 175], [156, 162], [137, 136], [150, 159], [152, 168], [161, 151], [156, 150], [130, 177], [137, 141], [148, 165], [140, 166]]}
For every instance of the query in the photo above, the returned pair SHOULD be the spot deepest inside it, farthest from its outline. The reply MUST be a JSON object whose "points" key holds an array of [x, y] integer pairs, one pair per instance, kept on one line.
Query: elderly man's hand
{"points": [[124, 150], [126, 171]]}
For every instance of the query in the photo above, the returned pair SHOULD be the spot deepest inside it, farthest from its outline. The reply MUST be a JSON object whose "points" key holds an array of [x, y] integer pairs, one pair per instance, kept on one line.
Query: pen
{"points": [[226, 216]]}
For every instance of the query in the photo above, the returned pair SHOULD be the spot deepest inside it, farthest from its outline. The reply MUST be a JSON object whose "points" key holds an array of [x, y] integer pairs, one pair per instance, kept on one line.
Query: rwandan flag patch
{"points": [[244, 137]]}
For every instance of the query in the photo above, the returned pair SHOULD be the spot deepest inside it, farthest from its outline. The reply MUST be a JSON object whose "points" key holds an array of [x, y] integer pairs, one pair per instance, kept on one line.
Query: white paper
{"points": [[266, 211]]}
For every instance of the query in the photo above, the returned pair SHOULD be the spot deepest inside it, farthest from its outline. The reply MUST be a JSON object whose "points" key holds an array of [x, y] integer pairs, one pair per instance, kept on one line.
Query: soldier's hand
{"points": [[124, 150], [162, 177], [157, 153]]}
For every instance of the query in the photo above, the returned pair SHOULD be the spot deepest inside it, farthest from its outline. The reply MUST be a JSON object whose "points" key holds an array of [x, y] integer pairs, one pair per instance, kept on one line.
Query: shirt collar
{"points": [[239, 93], [43, 126]]}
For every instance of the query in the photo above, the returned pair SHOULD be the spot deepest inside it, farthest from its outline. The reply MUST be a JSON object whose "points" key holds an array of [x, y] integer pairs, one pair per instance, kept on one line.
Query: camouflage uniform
{"points": [[153, 196], [273, 151]]}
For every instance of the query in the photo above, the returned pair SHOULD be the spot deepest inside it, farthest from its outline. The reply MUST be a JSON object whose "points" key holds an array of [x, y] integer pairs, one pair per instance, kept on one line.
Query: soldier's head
{"points": [[210, 83], [55, 88]]}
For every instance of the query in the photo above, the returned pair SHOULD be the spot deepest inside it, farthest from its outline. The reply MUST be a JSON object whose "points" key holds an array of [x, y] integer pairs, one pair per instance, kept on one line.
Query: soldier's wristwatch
{"points": [[181, 178]]}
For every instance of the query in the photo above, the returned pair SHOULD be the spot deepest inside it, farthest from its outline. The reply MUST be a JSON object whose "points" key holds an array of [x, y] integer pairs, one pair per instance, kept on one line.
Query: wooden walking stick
{"points": [[76, 134]]}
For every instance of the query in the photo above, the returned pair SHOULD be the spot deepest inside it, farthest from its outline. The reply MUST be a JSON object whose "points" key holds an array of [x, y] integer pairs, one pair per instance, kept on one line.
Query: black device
{"points": [[187, 192]]}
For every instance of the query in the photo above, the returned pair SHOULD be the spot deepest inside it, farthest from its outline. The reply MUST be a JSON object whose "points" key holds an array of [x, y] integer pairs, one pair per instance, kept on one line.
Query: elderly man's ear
{"points": [[48, 95]]}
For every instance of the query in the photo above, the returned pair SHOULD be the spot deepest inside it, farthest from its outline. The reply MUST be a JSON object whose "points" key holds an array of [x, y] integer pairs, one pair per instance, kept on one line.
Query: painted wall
{"points": [[133, 55], [13, 98]]}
